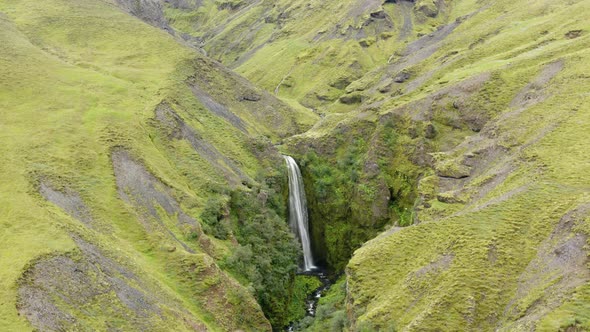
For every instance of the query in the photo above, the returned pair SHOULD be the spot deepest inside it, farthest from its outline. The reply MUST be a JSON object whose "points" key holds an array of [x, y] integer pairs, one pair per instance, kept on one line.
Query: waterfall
{"points": [[298, 212]]}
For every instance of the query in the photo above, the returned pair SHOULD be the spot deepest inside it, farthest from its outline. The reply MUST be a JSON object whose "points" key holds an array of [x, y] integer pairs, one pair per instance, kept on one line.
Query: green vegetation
{"points": [[304, 285], [330, 313], [308, 52], [81, 81], [443, 144], [267, 255]]}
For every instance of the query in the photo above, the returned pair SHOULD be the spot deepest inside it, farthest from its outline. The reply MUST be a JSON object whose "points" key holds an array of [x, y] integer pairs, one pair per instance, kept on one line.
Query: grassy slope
{"points": [[311, 50], [465, 264], [473, 256], [77, 80], [406, 279], [542, 142]]}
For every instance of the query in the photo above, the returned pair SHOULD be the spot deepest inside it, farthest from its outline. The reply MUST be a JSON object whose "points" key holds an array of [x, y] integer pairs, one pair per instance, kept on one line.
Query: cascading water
{"points": [[298, 212]]}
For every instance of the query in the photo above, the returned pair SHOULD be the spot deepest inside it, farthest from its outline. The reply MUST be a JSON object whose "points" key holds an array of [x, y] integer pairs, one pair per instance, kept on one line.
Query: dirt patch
{"points": [[442, 263], [533, 92], [573, 34], [361, 7], [407, 26], [37, 306], [243, 104], [142, 190], [558, 269], [419, 50], [176, 128], [217, 108], [69, 201], [55, 289]]}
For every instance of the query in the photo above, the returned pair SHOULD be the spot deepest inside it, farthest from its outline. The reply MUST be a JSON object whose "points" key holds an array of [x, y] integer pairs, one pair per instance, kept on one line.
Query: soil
{"points": [[560, 267], [69, 201], [176, 128], [55, 288], [217, 108], [139, 188]]}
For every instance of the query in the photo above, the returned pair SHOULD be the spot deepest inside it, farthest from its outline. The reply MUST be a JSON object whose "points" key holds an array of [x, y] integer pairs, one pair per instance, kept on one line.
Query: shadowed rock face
{"points": [[149, 11]]}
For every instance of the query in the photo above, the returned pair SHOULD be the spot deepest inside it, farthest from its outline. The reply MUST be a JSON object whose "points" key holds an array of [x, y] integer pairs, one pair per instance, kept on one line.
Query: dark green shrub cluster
{"points": [[213, 219], [303, 286], [267, 255]]}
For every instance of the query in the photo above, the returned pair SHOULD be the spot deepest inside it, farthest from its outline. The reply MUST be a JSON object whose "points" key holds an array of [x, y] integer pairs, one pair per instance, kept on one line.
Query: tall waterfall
{"points": [[298, 211]]}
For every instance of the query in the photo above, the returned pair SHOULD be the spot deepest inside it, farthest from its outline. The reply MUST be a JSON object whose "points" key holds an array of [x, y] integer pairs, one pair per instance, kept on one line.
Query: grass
{"points": [[306, 41], [79, 80], [394, 280], [472, 291]]}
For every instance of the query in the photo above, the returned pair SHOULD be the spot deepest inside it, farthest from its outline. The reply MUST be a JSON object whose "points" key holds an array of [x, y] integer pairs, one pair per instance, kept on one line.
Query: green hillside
{"points": [[123, 152], [443, 146]]}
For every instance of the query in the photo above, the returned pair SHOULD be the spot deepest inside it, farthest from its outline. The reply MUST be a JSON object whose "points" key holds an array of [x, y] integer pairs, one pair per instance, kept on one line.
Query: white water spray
{"points": [[298, 212]]}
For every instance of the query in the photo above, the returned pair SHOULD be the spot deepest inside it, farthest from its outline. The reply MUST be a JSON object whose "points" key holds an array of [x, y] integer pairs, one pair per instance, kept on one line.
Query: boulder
{"points": [[353, 98]]}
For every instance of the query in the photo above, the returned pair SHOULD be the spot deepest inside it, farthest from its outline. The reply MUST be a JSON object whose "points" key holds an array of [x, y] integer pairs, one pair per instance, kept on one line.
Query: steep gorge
{"points": [[442, 146]]}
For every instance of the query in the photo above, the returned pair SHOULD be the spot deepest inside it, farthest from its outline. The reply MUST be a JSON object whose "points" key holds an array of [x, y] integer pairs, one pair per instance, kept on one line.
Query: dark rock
{"points": [[430, 131], [366, 42], [340, 83], [401, 77], [250, 97], [379, 14], [354, 98], [573, 34]]}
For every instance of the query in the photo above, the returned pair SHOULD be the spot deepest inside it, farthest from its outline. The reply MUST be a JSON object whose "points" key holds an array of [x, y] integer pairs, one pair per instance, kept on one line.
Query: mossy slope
{"points": [[400, 100], [307, 52], [81, 87], [481, 147]]}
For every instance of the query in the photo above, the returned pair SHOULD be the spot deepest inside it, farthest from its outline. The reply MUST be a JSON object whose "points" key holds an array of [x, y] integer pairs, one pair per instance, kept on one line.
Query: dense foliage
{"points": [[267, 253]]}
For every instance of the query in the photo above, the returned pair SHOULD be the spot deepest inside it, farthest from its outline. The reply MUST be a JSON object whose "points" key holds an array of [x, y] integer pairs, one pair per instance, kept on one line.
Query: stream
{"points": [[311, 303]]}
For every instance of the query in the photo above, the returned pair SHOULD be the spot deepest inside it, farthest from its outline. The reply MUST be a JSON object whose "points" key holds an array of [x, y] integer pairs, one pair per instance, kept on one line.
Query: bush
{"points": [[267, 256], [339, 321], [213, 219]]}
